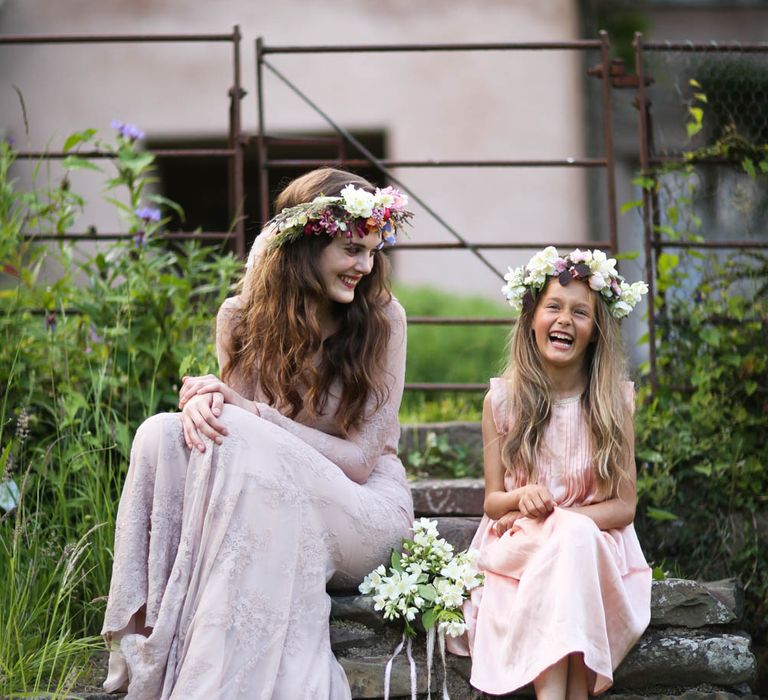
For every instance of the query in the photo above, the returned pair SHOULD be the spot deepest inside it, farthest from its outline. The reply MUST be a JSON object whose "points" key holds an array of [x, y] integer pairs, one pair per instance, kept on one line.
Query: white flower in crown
{"points": [[603, 265], [357, 201], [597, 281], [541, 265], [514, 290]]}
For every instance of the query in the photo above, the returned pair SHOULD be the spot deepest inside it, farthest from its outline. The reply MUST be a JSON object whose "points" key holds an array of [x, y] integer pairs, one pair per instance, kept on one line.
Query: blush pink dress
{"points": [[227, 553], [559, 585]]}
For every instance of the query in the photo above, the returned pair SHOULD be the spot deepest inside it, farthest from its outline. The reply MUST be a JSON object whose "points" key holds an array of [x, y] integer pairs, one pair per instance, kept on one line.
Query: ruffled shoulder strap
{"points": [[628, 389], [499, 404]]}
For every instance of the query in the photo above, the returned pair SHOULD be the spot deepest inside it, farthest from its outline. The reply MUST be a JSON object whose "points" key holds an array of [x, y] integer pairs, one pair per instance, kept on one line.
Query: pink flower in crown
{"points": [[579, 256], [560, 265], [398, 200]]}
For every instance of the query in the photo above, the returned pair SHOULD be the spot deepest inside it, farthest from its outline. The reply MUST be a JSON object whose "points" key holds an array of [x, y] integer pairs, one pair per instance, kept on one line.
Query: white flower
{"points": [[449, 595], [453, 570], [514, 290], [357, 202], [579, 256], [453, 628], [372, 580], [602, 264], [427, 526], [596, 281], [541, 265], [621, 309]]}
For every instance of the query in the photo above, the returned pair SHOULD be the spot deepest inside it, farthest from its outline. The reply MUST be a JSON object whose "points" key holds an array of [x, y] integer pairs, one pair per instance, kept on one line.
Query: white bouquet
{"points": [[427, 581]]}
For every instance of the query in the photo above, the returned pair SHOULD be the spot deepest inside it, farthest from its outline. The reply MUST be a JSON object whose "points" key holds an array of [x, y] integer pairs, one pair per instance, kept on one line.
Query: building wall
{"points": [[490, 105]]}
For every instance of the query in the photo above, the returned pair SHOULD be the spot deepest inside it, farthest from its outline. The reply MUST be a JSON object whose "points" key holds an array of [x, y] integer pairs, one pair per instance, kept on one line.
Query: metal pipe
{"points": [[642, 106], [421, 48], [457, 321], [610, 172], [711, 47], [98, 155], [110, 236], [433, 163], [236, 143], [419, 386], [109, 38], [712, 244], [535, 245], [261, 146]]}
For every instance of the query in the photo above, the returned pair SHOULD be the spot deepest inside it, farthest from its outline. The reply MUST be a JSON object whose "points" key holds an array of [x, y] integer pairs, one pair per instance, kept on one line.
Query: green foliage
{"points": [[84, 357], [438, 458], [461, 354], [702, 451]]}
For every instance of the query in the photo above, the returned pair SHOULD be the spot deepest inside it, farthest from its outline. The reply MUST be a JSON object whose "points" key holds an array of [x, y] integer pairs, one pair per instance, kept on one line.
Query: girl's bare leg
{"points": [[552, 683], [577, 678]]}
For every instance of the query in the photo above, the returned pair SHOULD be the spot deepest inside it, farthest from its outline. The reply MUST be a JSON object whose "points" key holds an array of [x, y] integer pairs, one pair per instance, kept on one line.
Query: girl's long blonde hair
{"points": [[276, 337], [529, 397]]}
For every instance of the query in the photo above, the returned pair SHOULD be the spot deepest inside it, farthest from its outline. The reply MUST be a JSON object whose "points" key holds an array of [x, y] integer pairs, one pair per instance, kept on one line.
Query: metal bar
{"points": [[535, 245], [712, 46], [610, 171], [457, 321], [433, 163], [420, 48], [163, 152], [181, 235], [236, 143], [642, 106], [377, 163], [110, 38], [417, 386], [261, 146], [301, 140], [711, 244]]}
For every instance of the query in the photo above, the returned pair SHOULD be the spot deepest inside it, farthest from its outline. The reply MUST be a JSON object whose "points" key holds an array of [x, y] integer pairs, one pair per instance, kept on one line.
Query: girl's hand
{"points": [[535, 501], [505, 522], [197, 419]]}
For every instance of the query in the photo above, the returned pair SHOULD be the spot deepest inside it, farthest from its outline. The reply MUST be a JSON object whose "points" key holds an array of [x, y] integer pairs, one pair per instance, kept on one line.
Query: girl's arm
{"points": [[532, 500], [617, 512]]}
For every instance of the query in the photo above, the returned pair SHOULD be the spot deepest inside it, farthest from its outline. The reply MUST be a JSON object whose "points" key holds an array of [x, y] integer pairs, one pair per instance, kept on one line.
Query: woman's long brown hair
{"points": [[276, 337], [529, 396]]}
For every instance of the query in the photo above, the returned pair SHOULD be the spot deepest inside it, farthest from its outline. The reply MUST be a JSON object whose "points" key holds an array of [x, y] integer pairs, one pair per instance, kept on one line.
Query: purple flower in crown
{"points": [[130, 132], [148, 214], [327, 223]]}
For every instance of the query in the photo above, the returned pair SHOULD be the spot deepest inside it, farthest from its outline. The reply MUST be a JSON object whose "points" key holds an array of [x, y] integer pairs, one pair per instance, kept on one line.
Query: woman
{"points": [[277, 479]]}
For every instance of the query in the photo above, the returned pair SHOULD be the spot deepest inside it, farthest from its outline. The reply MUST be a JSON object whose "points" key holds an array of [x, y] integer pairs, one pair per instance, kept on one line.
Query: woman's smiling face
{"points": [[344, 262], [564, 324]]}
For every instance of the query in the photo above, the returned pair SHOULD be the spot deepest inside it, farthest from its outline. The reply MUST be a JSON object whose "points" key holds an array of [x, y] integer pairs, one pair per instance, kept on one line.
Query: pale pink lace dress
{"points": [[559, 585], [229, 552]]}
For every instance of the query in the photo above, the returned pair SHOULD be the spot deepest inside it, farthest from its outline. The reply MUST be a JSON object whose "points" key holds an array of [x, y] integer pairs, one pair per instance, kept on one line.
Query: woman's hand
{"points": [[535, 501], [506, 521], [198, 419], [190, 385]]}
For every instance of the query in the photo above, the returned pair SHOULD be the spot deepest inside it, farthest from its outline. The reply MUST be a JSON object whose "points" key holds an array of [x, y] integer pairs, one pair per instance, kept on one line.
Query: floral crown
{"points": [[591, 266], [354, 211]]}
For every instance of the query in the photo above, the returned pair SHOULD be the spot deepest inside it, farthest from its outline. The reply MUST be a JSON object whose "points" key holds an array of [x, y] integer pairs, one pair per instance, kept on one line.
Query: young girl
{"points": [[275, 479], [567, 589]]}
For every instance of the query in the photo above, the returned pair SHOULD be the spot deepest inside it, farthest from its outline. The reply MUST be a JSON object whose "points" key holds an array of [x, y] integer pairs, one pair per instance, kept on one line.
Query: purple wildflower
{"points": [[50, 321], [140, 239], [148, 214], [130, 132]]}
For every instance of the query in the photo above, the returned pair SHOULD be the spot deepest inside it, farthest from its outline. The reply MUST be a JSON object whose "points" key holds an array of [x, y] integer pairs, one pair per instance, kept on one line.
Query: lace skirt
{"points": [[222, 559]]}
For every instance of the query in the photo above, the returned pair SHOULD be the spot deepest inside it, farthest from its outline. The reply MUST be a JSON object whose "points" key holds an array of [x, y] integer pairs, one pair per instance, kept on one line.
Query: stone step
{"points": [[675, 603], [661, 664], [462, 497]]}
